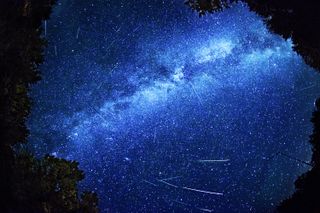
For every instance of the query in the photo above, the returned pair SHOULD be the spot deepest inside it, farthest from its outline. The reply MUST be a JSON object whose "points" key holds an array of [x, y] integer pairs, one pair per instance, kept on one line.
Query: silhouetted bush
{"points": [[28, 184]]}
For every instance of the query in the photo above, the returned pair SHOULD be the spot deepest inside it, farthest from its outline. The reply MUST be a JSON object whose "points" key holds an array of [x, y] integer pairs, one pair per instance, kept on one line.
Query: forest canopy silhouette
{"points": [[49, 184], [296, 20], [29, 184]]}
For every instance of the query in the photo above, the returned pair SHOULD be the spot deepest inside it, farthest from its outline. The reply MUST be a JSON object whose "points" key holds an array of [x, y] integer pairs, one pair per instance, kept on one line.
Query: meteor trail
{"points": [[214, 161]]}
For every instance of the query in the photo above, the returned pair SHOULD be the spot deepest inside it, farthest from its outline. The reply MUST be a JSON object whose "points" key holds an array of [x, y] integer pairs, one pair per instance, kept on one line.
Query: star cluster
{"points": [[166, 111]]}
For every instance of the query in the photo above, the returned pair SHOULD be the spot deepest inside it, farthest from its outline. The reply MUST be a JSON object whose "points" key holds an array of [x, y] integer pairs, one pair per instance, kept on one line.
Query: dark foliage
{"points": [[307, 195], [28, 184], [298, 20], [293, 19], [208, 6], [49, 185]]}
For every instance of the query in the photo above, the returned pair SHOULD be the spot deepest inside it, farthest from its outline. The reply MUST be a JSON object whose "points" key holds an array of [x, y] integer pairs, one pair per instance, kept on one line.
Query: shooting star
{"points": [[182, 203], [196, 93], [192, 189], [45, 27], [78, 32], [135, 29], [171, 178], [295, 159], [205, 210], [308, 87], [203, 191], [155, 135], [214, 161], [118, 30], [191, 206], [169, 184], [99, 115], [150, 183]]}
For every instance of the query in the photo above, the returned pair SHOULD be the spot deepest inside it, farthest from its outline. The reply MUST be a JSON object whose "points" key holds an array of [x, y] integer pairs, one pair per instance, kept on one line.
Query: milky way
{"points": [[166, 111]]}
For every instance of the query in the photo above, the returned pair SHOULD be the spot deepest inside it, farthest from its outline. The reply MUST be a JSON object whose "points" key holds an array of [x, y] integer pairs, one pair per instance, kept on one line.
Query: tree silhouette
{"points": [[294, 19], [299, 21], [307, 195], [28, 184], [49, 185]]}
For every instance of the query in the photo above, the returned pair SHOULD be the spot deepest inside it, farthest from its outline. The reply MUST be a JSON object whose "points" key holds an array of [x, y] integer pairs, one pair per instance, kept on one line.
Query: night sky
{"points": [[169, 112]]}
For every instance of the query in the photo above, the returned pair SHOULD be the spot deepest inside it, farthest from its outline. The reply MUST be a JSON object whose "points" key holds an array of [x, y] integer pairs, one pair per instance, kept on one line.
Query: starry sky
{"points": [[169, 112]]}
